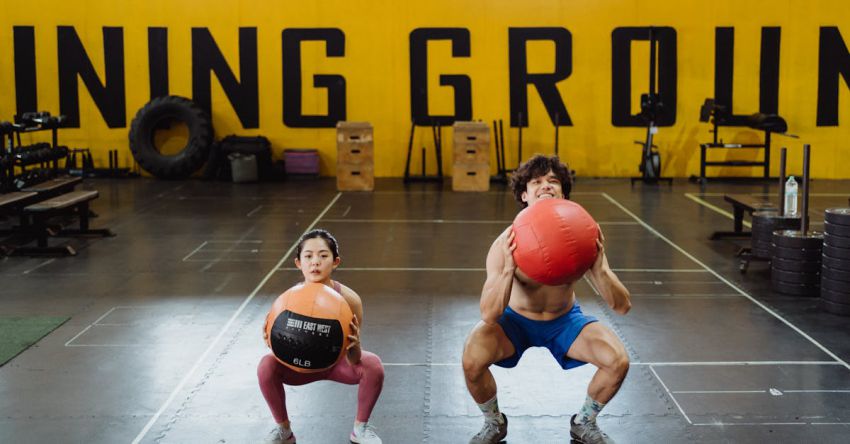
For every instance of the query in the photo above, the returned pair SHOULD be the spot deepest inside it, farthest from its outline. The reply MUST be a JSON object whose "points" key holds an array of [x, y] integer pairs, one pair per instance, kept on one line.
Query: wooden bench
{"points": [[742, 203], [12, 201], [12, 204], [55, 186], [41, 212]]}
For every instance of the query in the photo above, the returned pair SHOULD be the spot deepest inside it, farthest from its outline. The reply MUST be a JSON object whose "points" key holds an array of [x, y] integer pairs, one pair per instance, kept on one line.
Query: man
{"points": [[517, 313]]}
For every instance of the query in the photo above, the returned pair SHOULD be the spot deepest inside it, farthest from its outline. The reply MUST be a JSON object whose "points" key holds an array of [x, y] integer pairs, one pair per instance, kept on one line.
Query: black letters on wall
{"points": [[26, 97], [461, 84], [109, 97], [158, 61], [546, 84], [293, 115], [833, 60], [621, 75], [768, 72], [244, 93]]}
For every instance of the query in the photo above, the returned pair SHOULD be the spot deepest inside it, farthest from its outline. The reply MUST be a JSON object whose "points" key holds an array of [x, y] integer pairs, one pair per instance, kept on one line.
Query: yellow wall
{"points": [[376, 68]]}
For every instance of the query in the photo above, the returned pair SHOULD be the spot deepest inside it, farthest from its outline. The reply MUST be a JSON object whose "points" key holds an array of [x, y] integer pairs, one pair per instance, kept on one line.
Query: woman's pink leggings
{"points": [[368, 374]]}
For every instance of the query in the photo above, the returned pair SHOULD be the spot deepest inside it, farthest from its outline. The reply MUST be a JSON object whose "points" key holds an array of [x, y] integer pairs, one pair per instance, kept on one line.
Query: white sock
{"points": [[491, 410]]}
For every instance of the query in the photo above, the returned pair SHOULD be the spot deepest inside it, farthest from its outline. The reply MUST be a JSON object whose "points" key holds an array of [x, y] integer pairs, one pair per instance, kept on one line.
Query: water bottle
{"points": [[791, 197]]}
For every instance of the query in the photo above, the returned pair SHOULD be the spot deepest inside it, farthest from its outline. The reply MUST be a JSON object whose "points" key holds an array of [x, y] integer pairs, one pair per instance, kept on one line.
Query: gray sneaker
{"points": [[588, 433], [492, 432]]}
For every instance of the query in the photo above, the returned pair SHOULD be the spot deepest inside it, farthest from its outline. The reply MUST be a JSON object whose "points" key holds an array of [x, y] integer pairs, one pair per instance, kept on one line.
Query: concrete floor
{"points": [[164, 335]]}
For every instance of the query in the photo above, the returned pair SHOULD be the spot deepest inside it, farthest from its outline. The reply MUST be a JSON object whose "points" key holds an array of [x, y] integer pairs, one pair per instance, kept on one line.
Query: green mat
{"points": [[18, 333]]}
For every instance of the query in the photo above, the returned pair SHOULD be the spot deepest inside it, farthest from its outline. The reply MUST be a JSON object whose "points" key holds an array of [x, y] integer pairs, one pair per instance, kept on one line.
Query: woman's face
{"points": [[317, 261]]}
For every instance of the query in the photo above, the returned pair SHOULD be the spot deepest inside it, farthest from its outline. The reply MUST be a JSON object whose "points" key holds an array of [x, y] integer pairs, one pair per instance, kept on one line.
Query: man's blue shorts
{"points": [[557, 335]]}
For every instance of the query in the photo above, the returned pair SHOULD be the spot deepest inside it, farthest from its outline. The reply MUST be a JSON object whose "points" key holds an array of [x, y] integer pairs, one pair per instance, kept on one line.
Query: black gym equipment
{"points": [[764, 223], [798, 245], [719, 115], [835, 274], [437, 132], [501, 170], [158, 114], [650, 106]]}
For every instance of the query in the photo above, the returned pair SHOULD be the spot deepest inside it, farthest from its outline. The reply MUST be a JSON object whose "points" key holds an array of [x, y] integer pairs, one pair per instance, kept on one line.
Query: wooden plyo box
{"points": [[471, 177], [355, 178], [355, 157], [471, 156]]}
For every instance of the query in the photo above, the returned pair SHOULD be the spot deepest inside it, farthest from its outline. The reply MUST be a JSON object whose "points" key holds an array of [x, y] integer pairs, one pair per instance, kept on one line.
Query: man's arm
{"points": [[500, 277], [615, 294]]}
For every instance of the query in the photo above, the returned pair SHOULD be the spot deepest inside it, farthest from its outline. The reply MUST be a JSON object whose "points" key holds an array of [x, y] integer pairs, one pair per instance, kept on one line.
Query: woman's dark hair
{"points": [[539, 166], [318, 233]]}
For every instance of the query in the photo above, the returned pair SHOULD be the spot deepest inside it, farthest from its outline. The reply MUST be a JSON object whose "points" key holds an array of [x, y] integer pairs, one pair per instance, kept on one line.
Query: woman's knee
{"points": [[372, 364], [267, 369]]}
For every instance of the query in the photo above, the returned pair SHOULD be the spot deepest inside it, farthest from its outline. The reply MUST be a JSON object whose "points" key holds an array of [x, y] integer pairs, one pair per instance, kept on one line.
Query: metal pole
{"points": [[804, 222], [409, 152], [496, 140], [502, 138], [782, 181]]}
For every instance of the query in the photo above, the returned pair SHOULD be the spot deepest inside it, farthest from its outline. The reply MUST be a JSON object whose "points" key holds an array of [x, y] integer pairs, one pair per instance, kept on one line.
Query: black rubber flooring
{"points": [[164, 335]]}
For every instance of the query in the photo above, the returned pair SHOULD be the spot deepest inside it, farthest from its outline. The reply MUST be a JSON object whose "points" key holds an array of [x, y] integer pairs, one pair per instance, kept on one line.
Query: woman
{"points": [[317, 257]]}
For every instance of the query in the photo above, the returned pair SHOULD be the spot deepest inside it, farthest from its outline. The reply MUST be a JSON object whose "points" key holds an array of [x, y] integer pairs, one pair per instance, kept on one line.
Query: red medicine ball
{"points": [[555, 241]]}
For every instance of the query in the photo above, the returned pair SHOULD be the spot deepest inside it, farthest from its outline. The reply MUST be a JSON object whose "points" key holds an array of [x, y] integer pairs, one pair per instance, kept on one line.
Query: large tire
{"points": [[191, 157]]}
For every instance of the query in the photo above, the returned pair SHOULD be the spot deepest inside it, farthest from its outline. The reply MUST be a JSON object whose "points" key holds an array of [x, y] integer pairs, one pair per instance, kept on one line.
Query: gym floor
{"points": [[164, 332]]}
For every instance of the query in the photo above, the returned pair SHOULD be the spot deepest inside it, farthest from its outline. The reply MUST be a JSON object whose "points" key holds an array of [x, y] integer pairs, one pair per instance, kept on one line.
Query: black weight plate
{"points": [[835, 296], [837, 286], [796, 239], [835, 229], [795, 265], [838, 253], [761, 252], [836, 263], [795, 289], [832, 307], [836, 275], [838, 216], [836, 241], [795, 277], [796, 253], [763, 244]]}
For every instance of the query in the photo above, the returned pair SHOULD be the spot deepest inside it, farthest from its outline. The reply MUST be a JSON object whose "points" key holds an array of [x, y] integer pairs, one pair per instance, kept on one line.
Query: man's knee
{"points": [[621, 365], [617, 363], [473, 367]]}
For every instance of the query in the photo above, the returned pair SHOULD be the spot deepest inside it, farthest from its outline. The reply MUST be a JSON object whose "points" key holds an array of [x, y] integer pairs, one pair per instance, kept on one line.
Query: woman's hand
{"points": [[353, 348]]}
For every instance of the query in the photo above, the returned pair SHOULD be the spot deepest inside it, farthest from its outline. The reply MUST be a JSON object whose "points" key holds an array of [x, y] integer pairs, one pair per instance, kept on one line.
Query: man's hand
{"points": [[507, 244], [600, 253], [607, 283]]}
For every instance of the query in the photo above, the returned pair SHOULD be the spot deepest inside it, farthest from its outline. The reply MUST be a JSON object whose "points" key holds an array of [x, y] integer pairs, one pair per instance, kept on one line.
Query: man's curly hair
{"points": [[538, 166]]}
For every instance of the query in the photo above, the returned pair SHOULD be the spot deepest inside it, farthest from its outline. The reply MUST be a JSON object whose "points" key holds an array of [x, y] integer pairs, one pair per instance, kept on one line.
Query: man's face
{"points": [[316, 261], [542, 187]]}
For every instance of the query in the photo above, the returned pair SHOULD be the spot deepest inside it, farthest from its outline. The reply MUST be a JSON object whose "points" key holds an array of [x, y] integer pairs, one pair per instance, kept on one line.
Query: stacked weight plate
{"points": [[835, 273], [796, 262], [764, 224]]}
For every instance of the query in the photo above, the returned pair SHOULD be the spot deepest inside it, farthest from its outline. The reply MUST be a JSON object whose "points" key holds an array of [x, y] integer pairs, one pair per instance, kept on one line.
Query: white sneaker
{"points": [[364, 434], [278, 436]]}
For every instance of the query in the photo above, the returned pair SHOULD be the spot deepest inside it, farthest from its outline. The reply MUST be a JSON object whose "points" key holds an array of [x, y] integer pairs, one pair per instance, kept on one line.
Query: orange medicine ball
{"points": [[555, 241], [308, 327]]}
